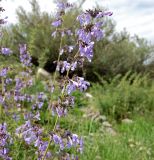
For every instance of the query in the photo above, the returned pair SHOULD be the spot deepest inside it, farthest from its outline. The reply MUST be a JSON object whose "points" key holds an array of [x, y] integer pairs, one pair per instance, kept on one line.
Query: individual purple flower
{"points": [[58, 140], [57, 23], [61, 111], [16, 117], [8, 80], [84, 19], [69, 143], [40, 104], [82, 84], [70, 48], [41, 146], [54, 34], [62, 5], [6, 51], [69, 32], [41, 96], [1, 99], [65, 66], [86, 50], [73, 66], [3, 72], [66, 49], [28, 98], [71, 87], [37, 116], [22, 48], [75, 139], [69, 101], [97, 33], [84, 36], [102, 14], [77, 83]]}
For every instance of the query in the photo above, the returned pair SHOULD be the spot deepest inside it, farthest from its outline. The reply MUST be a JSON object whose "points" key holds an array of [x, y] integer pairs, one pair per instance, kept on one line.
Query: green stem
{"points": [[54, 78], [61, 41], [50, 139], [62, 95], [2, 85], [1, 107]]}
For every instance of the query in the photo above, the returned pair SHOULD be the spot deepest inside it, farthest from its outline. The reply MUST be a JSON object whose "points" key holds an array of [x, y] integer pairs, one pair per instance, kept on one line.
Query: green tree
{"points": [[117, 53]]}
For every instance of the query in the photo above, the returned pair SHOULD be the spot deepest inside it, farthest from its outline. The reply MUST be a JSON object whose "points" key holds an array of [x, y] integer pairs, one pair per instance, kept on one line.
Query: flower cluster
{"points": [[31, 107], [32, 134], [77, 83], [6, 51], [61, 7], [5, 140], [62, 106], [63, 66], [25, 58], [18, 95], [89, 31], [69, 140], [40, 99]]}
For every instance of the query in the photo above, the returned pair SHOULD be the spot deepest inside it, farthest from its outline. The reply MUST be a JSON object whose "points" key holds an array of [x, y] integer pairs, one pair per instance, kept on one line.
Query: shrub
{"points": [[123, 96]]}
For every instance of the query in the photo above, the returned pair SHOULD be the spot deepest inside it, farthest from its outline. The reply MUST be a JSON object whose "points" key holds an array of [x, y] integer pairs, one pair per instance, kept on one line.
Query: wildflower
{"points": [[71, 87], [6, 51], [86, 50], [62, 5], [57, 23], [84, 19], [83, 36], [8, 80], [58, 140], [54, 34], [5, 140], [3, 72], [24, 55], [102, 14]]}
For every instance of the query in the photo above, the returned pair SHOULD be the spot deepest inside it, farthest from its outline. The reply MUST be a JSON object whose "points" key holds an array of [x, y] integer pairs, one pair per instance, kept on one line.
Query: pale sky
{"points": [[137, 16]]}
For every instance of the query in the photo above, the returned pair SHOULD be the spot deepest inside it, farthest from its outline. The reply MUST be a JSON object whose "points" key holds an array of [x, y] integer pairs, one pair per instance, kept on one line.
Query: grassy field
{"points": [[105, 137]]}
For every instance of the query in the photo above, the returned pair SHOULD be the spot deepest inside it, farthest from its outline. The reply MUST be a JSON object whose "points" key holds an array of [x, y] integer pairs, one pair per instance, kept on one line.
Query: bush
{"points": [[123, 96]]}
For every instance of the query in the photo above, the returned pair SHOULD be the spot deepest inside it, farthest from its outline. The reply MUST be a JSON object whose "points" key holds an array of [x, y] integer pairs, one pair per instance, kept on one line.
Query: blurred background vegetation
{"points": [[116, 53]]}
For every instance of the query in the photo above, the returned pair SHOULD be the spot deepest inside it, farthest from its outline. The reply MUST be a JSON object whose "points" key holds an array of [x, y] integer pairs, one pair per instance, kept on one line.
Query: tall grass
{"points": [[123, 96]]}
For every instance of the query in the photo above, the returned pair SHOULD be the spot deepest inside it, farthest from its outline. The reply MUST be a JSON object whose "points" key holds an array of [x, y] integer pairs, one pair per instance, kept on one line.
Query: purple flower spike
{"points": [[24, 55], [5, 139]]}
